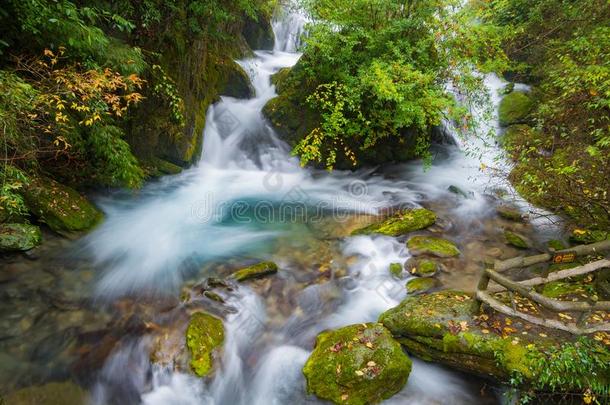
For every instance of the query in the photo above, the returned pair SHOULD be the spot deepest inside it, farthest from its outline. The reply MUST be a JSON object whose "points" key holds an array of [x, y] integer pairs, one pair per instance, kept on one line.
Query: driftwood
{"points": [[548, 323], [525, 261], [526, 289], [552, 304], [559, 275]]}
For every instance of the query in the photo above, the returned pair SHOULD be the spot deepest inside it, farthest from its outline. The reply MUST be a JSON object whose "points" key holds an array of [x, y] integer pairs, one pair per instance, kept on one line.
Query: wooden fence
{"points": [[526, 289]]}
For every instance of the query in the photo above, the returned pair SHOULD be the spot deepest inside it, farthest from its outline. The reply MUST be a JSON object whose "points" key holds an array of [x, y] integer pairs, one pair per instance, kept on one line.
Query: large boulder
{"points": [[357, 364], [443, 327], [238, 83], [258, 33], [204, 335], [401, 223], [431, 245], [19, 237], [62, 208], [514, 108]]}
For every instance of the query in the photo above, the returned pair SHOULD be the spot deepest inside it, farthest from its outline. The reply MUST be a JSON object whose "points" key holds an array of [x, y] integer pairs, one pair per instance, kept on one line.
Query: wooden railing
{"points": [[526, 289]]}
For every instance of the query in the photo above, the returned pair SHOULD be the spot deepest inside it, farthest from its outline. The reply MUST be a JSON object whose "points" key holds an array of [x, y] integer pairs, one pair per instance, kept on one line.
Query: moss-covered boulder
{"points": [[396, 270], [443, 327], [357, 364], [19, 237], [517, 240], [62, 208], [509, 212], [431, 245], [204, 335], [401, 223], [258, 33], [421, 285], [514, 108], [238, 83], [258, 270], [64, 393], [421, 267]]}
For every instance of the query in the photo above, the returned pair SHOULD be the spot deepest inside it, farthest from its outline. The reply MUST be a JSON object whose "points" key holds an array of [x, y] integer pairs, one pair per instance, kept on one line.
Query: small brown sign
{"points": [[564, 257]]}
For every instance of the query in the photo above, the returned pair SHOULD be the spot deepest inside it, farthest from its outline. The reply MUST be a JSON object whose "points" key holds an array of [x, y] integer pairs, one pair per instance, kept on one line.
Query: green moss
{"points": [[357, 364], [259, 270], [557, 289], [510, 213], [421, 285], [587, 236], [421, 267], [419, 245], [401, 223], [280, 78], [19, 237], [238, 83], [556, 244], [62, 208], [205, 333], [516, 240], [514, 108], [396, 270]]}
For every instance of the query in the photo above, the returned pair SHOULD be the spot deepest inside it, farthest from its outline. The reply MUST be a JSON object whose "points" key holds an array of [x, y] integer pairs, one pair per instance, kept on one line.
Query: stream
{"points": [[92, 310]]}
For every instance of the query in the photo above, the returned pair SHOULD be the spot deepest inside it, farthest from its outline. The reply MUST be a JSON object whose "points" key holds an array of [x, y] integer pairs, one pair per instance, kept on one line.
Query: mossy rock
{"points": [[357, 364], [62, 208], [238, 83], [401, 223], [458, 191], [19, 237], [258, 270], [431, 245], [509, 212], [205, 333], [421, 267], [165, 167], [421, 285], [280, 78], [514, 108], [258, 33], [586, 236], [396, 270], [64, 393], [441, 327], [517, 240]]}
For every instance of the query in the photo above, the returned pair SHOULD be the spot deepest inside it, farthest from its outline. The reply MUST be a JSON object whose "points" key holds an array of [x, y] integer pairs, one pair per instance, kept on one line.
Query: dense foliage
{"points": [[375, 70], [76, 76], [562, 48]]}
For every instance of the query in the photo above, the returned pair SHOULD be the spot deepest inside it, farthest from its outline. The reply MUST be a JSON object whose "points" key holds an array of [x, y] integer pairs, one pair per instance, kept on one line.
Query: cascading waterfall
{"points": [[147, 245]]}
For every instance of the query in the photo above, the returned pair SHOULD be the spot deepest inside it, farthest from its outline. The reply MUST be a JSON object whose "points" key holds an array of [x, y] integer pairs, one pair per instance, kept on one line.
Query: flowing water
{"points": [[115, 292]]}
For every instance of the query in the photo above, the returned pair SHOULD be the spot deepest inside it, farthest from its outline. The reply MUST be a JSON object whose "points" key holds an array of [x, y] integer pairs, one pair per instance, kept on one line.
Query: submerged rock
{"points": [[19, 237], [62, 208], [509, 212], [205, 333], [259, 270], [401, 223], [458, 191], [421, 285], [517, 240], [357, 364], [420, 245], [421, 267], [514, 108], [64, 393]]}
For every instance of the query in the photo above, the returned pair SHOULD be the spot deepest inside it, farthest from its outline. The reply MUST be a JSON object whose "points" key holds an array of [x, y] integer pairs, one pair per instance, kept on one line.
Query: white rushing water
{"points": [[144, 245]]}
